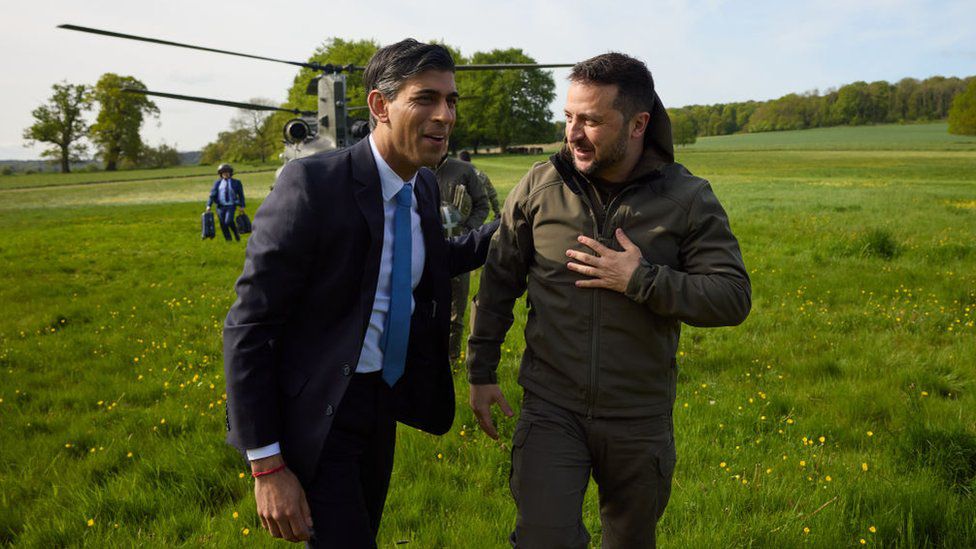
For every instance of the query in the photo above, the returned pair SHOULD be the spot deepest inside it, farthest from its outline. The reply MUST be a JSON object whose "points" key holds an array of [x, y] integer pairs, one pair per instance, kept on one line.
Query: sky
{"points": [[699, 51]]}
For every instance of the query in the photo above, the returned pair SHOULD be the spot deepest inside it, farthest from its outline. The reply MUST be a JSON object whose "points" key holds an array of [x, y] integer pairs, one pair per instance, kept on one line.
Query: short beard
{"points": [[614, 155]]}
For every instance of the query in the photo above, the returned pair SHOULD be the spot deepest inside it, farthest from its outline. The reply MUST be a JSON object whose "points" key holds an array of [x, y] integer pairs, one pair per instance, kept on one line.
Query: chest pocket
{"points": [[654, 228]]}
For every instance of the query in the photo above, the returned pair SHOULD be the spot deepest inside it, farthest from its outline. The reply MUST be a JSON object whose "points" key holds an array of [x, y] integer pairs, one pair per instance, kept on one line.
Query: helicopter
{"points": [[331, 126]]}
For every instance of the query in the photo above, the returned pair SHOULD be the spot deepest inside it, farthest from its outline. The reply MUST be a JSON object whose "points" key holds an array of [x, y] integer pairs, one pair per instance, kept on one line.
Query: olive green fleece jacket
{"points": [[593, 351]]}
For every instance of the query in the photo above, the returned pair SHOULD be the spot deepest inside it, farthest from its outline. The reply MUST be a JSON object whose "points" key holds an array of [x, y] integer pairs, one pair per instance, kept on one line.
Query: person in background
{"points": [[464, 207], [228, 194], [490, 191]]}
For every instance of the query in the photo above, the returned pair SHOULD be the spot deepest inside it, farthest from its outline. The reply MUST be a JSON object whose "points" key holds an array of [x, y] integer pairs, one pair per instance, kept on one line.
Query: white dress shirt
{"points": [[371, 357]]}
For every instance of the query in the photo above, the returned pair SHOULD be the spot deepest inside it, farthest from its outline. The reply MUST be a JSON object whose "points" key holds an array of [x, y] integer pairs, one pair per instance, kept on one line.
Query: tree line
{"points": [[61, 124], [858, 103]]}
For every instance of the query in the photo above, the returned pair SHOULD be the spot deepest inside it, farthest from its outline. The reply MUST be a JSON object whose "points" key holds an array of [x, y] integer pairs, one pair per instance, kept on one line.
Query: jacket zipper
{"points": [[597, 301]]}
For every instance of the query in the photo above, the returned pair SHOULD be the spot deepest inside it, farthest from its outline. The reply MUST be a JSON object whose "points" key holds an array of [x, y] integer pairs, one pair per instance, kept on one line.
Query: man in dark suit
{"points": [[228, 194], [340, 328]]}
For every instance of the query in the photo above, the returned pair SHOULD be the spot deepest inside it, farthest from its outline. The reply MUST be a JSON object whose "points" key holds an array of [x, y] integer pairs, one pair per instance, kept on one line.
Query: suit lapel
{"points": [[369, 199]]}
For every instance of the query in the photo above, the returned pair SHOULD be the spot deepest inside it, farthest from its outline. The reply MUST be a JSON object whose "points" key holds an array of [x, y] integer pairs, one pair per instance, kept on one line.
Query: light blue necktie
{"points": [[397, 331]]}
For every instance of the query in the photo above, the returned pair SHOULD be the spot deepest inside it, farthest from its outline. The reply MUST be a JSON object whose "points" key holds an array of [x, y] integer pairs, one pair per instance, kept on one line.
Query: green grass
{"points": [[863, 267], [894, 137], [20, 180]]}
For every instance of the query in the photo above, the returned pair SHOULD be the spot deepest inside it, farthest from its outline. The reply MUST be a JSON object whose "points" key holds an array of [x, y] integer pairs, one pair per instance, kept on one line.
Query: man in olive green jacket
{"points": [[617, 245]]}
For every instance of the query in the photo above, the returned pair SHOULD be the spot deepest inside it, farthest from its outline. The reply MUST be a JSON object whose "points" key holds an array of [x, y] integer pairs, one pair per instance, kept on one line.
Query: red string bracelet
{"points": [[271, 471]]}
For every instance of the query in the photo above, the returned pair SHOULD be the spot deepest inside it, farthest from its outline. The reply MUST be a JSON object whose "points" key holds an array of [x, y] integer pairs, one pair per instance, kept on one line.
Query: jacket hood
{"points": [[658, 149]]}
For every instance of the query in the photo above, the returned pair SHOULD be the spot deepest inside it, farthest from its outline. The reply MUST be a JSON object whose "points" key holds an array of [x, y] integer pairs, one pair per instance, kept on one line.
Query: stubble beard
{"points": [[614, 155]]}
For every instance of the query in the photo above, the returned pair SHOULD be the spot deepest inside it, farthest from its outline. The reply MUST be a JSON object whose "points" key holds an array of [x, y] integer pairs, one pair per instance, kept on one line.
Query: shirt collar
{"points": [[389, 180]]}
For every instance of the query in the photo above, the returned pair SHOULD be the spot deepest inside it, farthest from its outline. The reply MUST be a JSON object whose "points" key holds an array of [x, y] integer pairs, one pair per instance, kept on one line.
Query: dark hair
{"points": [[465, 155], [634, 82], [393, 65]]}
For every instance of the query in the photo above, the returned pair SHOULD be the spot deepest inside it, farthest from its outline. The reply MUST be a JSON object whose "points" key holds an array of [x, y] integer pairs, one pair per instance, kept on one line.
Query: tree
{"points": [[262, 134], [230, 146], [510, 106], [252, 137], [162, 156], [116, 130], [60, 123], [682, 128], [962, 115]]}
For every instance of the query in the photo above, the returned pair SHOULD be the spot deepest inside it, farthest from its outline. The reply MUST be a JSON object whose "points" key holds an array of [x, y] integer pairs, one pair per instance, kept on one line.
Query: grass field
{"points": [[35, 180], [842, 410], [907, 137]]}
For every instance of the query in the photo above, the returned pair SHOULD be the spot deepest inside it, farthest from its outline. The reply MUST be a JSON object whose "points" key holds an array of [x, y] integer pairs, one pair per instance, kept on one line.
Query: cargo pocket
{"points": [[522, 429]]}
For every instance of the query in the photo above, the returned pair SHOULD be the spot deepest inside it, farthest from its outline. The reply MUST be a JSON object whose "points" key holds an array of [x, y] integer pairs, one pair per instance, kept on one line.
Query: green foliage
{"points": [[116, 130], [962, 115], [506, 107], [854, 104], [61, 124], [253, 137], [683, 130], [163, 156]]}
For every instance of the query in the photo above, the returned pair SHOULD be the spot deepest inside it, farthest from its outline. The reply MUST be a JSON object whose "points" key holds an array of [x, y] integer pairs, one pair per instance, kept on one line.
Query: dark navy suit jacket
{"points": [[293, 337], [236, 187]]}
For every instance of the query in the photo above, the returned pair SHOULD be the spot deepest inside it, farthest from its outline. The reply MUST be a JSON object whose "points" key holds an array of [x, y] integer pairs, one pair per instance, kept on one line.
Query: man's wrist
{"points": [[267, 464]]}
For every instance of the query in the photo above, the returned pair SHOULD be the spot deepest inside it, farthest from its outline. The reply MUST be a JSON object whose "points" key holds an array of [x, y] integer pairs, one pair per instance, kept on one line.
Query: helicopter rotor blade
{"points": [[314, 66], [235, 104], [511, 66], [488, 67]]}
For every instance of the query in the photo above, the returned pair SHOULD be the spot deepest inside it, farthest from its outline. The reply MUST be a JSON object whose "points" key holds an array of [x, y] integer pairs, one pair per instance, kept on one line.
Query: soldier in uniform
{"points": [[464, 207], [486, 183]]}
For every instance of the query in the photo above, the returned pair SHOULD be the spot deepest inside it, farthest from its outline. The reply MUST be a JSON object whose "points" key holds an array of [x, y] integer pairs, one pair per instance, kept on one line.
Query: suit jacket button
{"points": [[346, 370], [329, 410]]}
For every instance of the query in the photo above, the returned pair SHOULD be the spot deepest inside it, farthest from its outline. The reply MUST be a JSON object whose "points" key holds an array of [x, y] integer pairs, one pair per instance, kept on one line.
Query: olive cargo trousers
{"points": [[554, 452]]}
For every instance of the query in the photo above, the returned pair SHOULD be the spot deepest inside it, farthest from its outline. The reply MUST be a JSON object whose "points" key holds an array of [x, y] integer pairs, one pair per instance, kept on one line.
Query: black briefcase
{"points": [[208, 230], [243, 223]]}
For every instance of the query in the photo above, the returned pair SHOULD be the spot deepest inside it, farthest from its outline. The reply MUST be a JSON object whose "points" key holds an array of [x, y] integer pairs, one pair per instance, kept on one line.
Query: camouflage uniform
{"points": [[461, 189], [490, 192]]}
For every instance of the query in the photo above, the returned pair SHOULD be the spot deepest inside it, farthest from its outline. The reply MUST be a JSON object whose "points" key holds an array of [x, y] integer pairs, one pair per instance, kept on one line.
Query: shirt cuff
{"points": [[263, 452]]}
